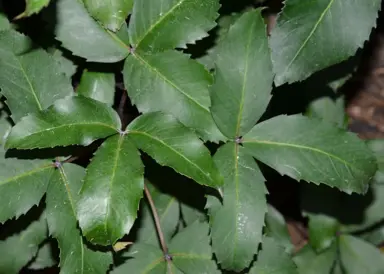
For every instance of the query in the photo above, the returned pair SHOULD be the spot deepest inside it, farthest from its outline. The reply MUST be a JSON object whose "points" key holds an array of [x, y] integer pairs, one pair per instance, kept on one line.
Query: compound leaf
{"points": [[82, 35], [111, 14], [170, 143], [243, 76], [97, 85], [155, 82], [62, 197], [312, 150], [74, 120], [167, 24], [311, 36], [30, 78], [236, 226], [112, 190]]}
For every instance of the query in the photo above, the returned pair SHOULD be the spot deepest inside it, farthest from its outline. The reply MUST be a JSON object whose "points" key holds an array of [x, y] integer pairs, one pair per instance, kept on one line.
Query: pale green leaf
{"points": [[82, 35], [33, 6], [312, 150], [112, 190], [377, 146], [155, 82], [329, 110], [111, 14], [66, 65], [17, 250], [62, 196], [97, 85], [123, 34], [5, 127], [22, 184], [272, 259], [44, 257], [243, 76], [172, 144], [4, 22], [313, 35], [236, 226], [75, 120], [322, 231], [309, 262], [30, 78], [166, 24], [358, 256]]}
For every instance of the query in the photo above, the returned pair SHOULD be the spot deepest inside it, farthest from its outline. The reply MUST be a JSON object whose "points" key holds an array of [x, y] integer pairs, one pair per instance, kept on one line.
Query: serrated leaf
{"points": [[33, 6], [322, 231], [112, 190], [308, 262], [44, 257], [272, 259], [66, 65], [172, 144], [22, 184], [111, 14], [97, 85], [167, 24], [236, 226], [155, 82], [62, 197], [312, 36], [358, 256], [312, 150], [74, 120], [16, 251], [30, 78], [276, 228], [168, 210], [84, 36], [243, 76], [329, 110]]}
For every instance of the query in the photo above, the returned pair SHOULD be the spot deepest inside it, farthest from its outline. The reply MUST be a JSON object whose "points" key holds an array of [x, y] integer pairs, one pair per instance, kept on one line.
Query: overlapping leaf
{"points": [[312, 36], [172, 83], [4, 22], [172, 144], [84, 36], [272, 259], [30, 78], [75, 120], [243, 76], [97, 85], [236, 226], [329, 110], [312, 150], [111, 14], [322, 231], [44, 257], [113, 188], [16, 251], [33, 6], [167, 24], [66, 65], [61, 200], [309, 262]]}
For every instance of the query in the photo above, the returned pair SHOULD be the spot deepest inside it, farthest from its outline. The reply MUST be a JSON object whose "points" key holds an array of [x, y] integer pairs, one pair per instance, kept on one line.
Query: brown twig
{"points": [[123, 99], [71, 159]]}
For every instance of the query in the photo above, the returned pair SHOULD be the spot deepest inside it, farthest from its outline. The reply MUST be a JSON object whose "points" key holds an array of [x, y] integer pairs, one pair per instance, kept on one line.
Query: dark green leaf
{"points": [[191, 214], [112, 190], [111, 14], [97, 85], [236, 226], [166, 24], [123, 34], [44, 257], [22, 184], [329, 110], [62, 197], [84, 36], [243, 76], [30, 78], [322, 231], [16, 251], [66, 65], [312, 150], [74, 120], [313, 35], [33, 6], [155, 82], [272, 259], [358, 256], [170, 143]]}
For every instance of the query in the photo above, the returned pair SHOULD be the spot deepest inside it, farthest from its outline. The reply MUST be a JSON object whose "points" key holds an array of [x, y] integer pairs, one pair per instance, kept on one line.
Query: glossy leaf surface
{"points": [[243, 76], [112, 190], [30, 78], [166, 24], [84, 36], [62, 197], [97, 85], [236, 226], [155, 82], [312, 150], [75, 120], [309, 37], [172, 144]]}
